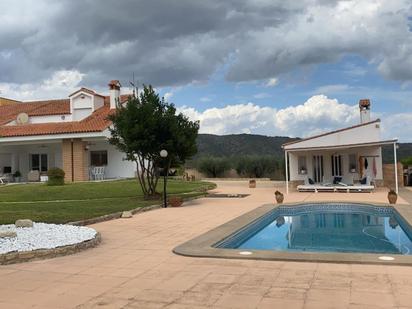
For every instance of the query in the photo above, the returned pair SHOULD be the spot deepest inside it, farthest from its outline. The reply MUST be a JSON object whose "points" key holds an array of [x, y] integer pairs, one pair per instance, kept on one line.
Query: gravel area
{"points": [[44, 236]]}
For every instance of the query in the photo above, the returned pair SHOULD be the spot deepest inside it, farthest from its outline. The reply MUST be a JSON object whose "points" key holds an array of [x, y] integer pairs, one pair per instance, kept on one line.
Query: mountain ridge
{"points": [[232, 145]]}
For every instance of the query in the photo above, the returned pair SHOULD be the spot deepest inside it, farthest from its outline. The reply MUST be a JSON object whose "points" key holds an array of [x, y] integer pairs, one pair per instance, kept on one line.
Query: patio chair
{"points": [[6, 175], [98, 172]]}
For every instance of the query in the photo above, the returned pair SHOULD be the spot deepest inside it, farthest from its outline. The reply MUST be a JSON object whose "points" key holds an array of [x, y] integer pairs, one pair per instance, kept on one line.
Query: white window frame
{"points": [[40, 161], [337, 165]]}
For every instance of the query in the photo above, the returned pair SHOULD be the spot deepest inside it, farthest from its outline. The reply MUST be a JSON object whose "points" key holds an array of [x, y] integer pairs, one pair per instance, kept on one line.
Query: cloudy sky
{"points": [[269, 67]]}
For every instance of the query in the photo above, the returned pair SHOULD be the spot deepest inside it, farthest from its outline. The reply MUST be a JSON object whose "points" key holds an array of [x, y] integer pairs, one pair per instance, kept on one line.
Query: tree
{"points": [[256, 166], [144, 126], [407, 161], [213, 167]]}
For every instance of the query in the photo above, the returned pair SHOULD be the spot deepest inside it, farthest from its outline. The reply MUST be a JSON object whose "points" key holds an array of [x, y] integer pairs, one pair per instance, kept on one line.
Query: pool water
{"points": [[326, 228]]}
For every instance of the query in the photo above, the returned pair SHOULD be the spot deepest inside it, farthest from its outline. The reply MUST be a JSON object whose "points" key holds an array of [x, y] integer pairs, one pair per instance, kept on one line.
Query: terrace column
{"points": [[286, 172], [74, 155], [395, 161]]}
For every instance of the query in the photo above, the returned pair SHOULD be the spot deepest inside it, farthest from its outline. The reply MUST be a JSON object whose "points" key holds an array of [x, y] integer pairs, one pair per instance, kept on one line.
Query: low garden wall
{"points": [[20, 257]]}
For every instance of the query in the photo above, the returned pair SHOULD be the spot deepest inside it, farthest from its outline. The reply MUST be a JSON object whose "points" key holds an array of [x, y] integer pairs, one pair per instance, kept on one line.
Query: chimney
{"points": [[365, 114], [114, 87]]}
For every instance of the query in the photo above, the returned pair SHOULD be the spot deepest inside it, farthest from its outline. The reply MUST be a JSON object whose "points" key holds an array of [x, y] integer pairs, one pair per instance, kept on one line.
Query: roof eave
{"points": [[345, 146], [331, 132]]}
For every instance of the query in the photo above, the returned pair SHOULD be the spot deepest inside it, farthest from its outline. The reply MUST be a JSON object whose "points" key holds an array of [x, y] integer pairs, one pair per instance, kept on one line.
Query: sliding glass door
{"points": [[318, 168]]}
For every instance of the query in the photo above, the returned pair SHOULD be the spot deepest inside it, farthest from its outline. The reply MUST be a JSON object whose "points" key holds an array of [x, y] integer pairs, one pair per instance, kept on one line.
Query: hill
{"points": [[253, 144]]}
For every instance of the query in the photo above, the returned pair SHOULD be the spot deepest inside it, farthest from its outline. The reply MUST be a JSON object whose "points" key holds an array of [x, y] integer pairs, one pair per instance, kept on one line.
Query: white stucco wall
{"points": [[359, 135], [19, 156], [98, 102], [117, 167], [327, 165], [81, 106], [45, 119], [52, 118], [82, 100]]}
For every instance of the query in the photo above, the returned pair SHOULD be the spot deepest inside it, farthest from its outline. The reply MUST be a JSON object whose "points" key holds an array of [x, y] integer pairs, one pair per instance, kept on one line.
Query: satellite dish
{"points": [[22, 118]]}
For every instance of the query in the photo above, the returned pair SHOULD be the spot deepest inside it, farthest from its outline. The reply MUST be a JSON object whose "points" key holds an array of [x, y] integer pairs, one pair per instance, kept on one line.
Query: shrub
{"points": [[407, 161], [56, 177], [256, 166], [213, 167]]}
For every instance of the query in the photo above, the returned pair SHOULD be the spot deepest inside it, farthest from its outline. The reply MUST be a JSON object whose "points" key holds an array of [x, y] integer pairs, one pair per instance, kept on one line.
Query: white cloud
{"points": [[59, 85], [168, 96], [272, 82], [397, 126], [317, 115], [240, 118]]}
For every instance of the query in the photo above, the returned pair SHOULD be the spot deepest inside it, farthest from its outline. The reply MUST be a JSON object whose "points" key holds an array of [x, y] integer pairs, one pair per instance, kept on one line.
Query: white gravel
{"points": [[44, 236]]}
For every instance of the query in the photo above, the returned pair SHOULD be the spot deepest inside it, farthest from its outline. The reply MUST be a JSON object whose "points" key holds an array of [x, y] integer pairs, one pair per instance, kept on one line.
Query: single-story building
{"points": [[349, 159], [71, 134]]}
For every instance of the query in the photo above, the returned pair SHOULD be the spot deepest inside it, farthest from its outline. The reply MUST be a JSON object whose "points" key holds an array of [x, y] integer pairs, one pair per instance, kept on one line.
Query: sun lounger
{"points": [[315, 188], [335, 188], [355, 188]]}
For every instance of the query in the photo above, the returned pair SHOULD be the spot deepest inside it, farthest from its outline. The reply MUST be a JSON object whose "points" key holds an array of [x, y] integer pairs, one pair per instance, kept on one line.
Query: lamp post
{"points": [[163, 154]]}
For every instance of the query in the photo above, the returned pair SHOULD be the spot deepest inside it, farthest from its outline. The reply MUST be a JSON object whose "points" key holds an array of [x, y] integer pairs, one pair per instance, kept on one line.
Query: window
{"points": [[98, 158], [336, 165], [302, 165], [353, 163], [39, 162]]}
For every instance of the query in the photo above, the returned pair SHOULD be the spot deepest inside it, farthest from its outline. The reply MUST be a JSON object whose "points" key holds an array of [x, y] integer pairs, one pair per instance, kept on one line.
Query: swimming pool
{"points": [[331, 227]]}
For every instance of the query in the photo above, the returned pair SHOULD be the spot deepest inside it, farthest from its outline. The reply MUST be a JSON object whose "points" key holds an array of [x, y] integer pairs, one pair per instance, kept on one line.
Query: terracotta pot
{"points": [[252, 183], [175, 201], [392, 197], [279, 198]]}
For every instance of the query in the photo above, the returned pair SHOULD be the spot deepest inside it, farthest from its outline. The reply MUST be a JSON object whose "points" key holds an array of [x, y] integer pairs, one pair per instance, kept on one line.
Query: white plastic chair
{"points": [[98, 172]]}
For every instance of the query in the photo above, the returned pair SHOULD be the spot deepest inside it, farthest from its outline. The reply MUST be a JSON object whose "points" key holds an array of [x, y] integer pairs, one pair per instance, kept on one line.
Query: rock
{"points": [[24, 223], [8, 234], [127, 214]]}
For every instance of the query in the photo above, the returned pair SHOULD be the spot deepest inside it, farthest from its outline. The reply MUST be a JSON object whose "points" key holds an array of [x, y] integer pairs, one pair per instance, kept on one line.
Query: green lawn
{"points": [[79, 201]]}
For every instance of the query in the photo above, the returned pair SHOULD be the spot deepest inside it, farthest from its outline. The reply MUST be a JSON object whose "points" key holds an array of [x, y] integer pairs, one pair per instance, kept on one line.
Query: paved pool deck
{"points": [[134, 266]]}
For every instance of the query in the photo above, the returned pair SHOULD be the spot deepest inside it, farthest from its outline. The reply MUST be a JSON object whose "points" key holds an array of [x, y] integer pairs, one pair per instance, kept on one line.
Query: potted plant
{"points": [[353, 169], [279, 197], [17, 176], [175, 201], [252, 183], [392, 197]]}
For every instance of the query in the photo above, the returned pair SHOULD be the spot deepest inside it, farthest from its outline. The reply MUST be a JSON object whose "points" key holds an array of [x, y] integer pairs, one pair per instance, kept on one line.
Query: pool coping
{"points": [[202, 246]]}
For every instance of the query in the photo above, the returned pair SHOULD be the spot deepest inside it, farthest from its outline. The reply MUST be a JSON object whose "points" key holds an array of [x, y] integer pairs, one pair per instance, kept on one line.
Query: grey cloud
{"points": [[169, 43]]}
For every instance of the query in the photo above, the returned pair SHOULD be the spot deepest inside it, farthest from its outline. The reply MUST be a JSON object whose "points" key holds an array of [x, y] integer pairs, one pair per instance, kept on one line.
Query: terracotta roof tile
{"points": [[38, 108], [6, 101], [96, 122]]}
